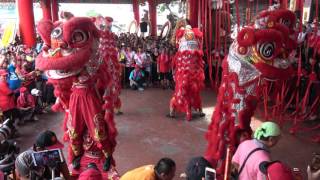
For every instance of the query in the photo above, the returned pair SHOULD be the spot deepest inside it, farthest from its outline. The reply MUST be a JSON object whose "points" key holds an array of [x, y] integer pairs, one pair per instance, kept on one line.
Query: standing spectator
{"points": [[26, 106], [163, 68], [3, 61], [7, 105], [129, 61], [251, 153], [140, 57], [164, 170], [137, 78], [148, 68]]}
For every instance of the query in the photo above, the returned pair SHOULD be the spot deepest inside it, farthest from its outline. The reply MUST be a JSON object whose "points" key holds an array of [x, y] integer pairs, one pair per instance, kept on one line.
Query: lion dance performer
{"points": [[189, 74], [258, 54], [79, 70]]}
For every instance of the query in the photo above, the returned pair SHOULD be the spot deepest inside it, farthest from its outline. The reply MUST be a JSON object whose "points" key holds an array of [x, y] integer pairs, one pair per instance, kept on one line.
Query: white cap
{"points": [[35, 92]]}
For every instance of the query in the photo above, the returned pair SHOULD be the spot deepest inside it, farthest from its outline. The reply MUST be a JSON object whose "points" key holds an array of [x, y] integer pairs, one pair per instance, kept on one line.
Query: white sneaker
{"points": [[35, 118], [140, 89]]}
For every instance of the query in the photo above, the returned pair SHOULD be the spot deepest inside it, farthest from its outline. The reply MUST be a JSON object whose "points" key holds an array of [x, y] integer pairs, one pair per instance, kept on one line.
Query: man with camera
{"points": [[28, 166]]}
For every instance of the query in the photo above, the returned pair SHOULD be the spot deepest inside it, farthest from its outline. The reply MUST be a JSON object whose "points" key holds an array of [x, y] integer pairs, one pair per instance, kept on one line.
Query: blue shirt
{"points": [[136, 75], [13, 80]]}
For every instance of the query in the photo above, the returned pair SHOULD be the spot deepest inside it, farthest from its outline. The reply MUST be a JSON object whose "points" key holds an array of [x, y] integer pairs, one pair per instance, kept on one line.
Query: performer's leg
{"points": [[75, 129], [98, 128], [188, 112], [172, 108]]}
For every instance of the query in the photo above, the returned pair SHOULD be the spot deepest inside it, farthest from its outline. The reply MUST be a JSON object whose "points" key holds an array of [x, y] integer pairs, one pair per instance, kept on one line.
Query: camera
{"points": [[7, 130], [8, 152]]}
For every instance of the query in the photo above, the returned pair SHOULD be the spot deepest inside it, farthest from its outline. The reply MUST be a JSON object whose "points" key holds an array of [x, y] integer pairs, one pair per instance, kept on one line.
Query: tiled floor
{"points": [[146, 135]]}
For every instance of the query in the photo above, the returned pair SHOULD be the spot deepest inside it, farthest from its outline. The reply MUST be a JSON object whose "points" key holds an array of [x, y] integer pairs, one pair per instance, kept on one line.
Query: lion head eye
{"points": [[79, 36], [56, 32], [266, 50]]}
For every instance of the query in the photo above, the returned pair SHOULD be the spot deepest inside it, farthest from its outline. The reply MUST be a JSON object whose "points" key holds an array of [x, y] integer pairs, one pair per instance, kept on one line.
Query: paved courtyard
{"points": [[146, 134]]}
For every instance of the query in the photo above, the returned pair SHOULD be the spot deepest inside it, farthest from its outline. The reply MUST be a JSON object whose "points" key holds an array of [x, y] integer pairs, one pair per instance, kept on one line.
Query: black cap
{"points": [[196, 168], [48, 140]]}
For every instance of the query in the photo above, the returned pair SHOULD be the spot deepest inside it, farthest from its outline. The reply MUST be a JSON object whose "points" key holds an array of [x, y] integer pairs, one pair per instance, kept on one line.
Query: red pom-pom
{"points": [[246, 37]]}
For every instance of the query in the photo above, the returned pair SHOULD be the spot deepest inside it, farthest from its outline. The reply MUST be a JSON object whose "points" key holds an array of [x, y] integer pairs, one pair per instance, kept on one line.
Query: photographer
{"points": [[47, 140], [25, 168]]}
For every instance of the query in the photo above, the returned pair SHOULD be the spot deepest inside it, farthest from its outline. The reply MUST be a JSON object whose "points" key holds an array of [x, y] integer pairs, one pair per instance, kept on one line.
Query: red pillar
{"points": [[46, 9], [193, 12], [26, 22], [55, 10], [153, 16], [136, 13]]}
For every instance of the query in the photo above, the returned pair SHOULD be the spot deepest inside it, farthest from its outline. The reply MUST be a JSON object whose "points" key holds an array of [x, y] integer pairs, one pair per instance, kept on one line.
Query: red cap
{"points": [[90, 174], [279, 171], [23, 89], [3, 72]]}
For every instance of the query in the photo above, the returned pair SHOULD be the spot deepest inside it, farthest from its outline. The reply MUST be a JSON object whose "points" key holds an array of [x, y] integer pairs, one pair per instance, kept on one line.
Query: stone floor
{"points": [[146, 135]]}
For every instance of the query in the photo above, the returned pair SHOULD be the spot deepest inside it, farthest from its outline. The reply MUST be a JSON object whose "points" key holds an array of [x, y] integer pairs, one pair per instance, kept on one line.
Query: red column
{"points": [[55, 10], [193, 12], [46, 9], [153, 16], [26, 22], [136, 13]]}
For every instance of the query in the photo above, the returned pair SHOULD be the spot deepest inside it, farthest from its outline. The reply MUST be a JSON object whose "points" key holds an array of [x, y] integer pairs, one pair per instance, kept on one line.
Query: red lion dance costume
{"points": [[189, 74], [75, 61], [259, 53]]}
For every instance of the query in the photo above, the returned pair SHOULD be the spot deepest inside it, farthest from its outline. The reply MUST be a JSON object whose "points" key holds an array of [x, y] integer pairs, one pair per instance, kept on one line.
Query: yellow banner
{"points": [[9, 34]]}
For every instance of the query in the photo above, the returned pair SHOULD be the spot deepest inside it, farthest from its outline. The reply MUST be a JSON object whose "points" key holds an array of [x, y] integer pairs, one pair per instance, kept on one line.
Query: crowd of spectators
{"points": [[24, 92], [149, 55]]}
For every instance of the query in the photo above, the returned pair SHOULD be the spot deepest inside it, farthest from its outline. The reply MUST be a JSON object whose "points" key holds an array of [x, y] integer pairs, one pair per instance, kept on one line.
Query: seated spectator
{"points": [[251, 153], [24, 167], [26, 106], [276, 170], [7, 105], [196, 168], [92, 173], [137, 78], [164, 170], [13, 79]]}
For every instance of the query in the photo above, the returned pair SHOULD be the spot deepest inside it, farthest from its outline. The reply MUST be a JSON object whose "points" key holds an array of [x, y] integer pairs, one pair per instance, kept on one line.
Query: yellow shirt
{"points": [[141, 173]]}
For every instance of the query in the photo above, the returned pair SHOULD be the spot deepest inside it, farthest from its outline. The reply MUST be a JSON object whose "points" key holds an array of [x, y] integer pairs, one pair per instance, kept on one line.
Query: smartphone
{"points": [[210, 174], [47, 157]]}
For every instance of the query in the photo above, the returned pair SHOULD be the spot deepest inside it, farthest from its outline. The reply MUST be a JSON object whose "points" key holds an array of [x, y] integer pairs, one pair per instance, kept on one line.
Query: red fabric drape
{"points": [[135, 6], [26, 22], [153, 16], [193, 12], [55, 10], [46, 9]]}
